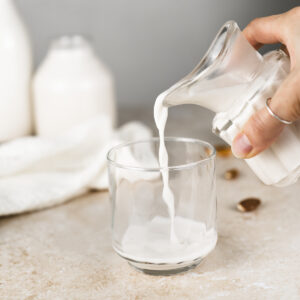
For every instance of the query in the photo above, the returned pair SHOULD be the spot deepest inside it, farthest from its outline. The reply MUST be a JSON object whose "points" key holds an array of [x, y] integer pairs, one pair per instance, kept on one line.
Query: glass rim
{"points": [[211, 156]]}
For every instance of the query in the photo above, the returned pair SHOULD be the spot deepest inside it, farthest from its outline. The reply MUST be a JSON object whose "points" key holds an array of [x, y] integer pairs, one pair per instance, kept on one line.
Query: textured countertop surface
{"points": [[64, 252]]}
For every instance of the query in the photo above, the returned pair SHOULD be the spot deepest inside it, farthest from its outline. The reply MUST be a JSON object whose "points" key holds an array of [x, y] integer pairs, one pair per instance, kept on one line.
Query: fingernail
{"points": [[241, 146]]}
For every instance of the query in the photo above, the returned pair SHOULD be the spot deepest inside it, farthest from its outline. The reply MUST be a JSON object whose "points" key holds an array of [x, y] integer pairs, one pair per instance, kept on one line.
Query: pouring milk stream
{"points": [[234, 81], [160, 117]]}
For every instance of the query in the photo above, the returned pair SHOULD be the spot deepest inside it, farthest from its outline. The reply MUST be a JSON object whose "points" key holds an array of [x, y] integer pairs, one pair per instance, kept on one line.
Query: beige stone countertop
{"points": [[65, 252]]}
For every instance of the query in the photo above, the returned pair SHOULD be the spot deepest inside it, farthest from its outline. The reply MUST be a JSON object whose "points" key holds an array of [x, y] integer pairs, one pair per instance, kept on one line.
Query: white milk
{"points": [[172, 239], [160, 117], [179, 239], [154, 244]]}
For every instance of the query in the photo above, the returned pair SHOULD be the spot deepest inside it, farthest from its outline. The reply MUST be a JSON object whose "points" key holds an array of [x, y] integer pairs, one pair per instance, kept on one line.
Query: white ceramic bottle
{"points": [[15, 74], [71, 86]]}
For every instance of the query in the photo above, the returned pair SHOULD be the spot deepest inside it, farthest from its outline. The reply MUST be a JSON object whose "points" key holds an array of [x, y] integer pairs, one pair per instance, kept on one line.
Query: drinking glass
{"points": [[141, 220]]}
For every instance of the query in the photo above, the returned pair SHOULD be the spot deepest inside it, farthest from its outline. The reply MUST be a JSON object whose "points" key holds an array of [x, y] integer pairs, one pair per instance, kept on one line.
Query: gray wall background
{"points": [[148, 45]]}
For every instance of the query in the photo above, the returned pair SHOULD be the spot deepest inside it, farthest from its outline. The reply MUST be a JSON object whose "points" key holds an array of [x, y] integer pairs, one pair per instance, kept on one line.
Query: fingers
{"points": [[262, 129], [267, 30], [283, 28], [259, 132], [286, 101]]}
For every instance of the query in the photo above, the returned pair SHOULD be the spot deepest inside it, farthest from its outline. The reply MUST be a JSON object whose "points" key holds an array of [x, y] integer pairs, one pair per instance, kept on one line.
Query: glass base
{"points": [[164, 269]]}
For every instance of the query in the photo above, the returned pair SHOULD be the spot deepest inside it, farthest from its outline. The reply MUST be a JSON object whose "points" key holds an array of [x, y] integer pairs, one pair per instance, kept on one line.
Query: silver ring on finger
{"points": [[274, 115]]}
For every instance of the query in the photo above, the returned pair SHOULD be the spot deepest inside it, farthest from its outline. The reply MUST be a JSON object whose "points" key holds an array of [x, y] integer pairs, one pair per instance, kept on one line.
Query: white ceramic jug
{"points": [[15, 74], [71, 86]]}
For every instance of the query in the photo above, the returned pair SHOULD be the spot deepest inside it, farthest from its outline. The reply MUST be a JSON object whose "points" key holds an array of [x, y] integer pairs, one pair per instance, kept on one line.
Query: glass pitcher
{"points": [[234, 81]]}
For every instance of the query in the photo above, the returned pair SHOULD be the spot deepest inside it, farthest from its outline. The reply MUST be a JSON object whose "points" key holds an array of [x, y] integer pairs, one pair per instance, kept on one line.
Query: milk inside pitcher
{"points": [[234, 81]]}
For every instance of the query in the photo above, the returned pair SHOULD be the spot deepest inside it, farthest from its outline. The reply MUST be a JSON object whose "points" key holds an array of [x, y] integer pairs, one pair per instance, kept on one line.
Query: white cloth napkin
{"points": [[36, 172]]}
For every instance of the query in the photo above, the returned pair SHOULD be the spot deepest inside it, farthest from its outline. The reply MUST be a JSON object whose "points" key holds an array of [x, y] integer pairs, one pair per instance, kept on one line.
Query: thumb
{"points": [[262, 129]]}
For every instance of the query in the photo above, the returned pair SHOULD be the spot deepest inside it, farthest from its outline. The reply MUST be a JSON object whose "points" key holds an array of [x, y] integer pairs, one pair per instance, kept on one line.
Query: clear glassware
{"points": [[140, 219], [234, 80]]}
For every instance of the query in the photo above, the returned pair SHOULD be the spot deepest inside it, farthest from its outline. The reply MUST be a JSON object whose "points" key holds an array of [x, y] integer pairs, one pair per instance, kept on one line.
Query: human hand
{"points": [[262, 129]]}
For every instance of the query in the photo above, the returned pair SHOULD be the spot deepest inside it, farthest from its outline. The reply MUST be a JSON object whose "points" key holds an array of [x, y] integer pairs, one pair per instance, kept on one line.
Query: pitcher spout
{"points": [[223, 74]]}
